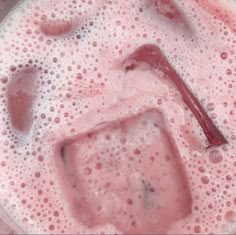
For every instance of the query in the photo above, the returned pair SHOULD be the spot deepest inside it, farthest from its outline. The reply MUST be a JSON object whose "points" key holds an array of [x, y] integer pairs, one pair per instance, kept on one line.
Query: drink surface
{"points": [[118, 117]]}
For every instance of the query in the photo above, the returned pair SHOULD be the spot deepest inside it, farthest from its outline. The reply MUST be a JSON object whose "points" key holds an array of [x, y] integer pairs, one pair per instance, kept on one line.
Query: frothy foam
{"points": [[64, 84]]}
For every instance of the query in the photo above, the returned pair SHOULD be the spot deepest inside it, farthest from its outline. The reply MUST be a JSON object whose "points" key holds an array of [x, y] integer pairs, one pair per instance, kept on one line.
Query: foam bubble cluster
{"points": [[93, 142]]}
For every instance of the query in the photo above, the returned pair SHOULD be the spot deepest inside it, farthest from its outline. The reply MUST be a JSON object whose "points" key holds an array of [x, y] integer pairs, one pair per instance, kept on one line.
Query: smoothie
{"points": [[118, 117]]}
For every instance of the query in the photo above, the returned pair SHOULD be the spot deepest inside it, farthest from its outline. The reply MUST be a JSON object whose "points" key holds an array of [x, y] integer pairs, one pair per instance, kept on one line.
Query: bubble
{"points": [[210, 106], [228, 71], [51, 227], [129, 201], [98, 166], [57, 120], [23, 201], [40, 158], [202, 169], [228, 177], [3, 163], [56, 213], [205, 180], [37, 174], [224, 55], [215, 156], [40, 192], [137, 152], [12, 68], [4, 80], [197, 229], [230, 216]]}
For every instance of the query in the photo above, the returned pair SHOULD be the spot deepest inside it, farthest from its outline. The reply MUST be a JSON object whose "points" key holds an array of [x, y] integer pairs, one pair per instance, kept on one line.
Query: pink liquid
{"points": [[118, 117]]}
